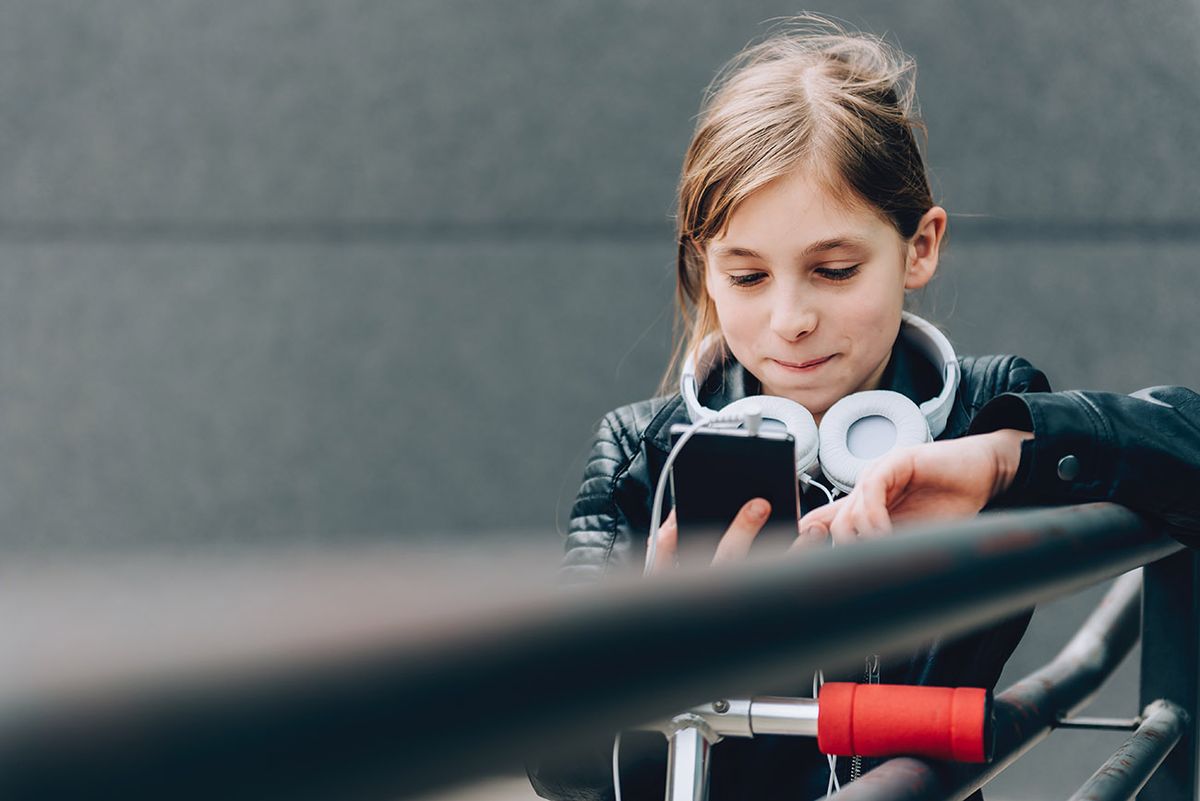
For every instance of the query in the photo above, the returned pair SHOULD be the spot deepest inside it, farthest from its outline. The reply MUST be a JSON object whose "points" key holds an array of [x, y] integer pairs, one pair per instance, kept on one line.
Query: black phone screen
{"points": [[714, 475]]}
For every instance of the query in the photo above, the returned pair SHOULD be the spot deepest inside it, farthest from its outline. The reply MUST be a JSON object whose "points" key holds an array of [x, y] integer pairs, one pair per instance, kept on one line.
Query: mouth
{"points": [[804, 366]]}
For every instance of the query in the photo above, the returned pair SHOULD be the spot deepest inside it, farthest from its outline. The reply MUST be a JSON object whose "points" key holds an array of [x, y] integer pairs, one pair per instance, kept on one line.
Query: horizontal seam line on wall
{"points": [[968, 229]]}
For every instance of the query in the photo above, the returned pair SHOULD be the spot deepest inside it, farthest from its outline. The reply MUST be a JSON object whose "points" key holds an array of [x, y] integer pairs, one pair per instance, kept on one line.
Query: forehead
{"points": [[795, 211]]}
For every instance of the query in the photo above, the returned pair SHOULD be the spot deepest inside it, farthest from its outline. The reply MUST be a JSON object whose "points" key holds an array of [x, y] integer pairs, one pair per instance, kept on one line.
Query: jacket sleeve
{"points": [[1140, 450], [600, 536]]}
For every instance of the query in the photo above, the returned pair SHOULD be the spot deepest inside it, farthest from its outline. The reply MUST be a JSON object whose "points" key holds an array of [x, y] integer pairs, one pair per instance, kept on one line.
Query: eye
{"points": [[843, 274], [747, 279]]}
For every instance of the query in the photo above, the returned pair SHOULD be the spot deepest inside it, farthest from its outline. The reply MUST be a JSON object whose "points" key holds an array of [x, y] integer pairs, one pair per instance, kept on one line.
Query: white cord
{"points": [[819, 677], [617, 766], [834, 785], [660, 491], [809, 481], [751, 419]]}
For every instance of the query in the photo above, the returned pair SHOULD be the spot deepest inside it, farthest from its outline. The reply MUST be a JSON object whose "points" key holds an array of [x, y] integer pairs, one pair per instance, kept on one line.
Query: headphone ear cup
{"points": [[861, 427], [795, 418]]}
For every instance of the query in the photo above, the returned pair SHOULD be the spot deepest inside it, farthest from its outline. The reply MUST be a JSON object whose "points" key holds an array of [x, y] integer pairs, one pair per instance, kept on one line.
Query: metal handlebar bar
{"points": [[949, 723]]}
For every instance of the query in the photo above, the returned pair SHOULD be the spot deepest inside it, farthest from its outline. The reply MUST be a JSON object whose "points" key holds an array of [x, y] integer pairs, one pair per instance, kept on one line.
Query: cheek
{"points": [[875, 321], [877, 304], [738, 316]]}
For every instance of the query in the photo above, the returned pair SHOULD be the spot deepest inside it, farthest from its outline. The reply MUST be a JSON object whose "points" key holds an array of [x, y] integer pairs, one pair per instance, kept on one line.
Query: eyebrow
{"points": [[822, 246]]}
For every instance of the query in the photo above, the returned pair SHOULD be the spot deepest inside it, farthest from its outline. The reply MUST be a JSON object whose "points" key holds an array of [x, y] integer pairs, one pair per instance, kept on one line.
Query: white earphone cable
{"points": [[752, 419], [833, 785], [809, 481], [659, 493], [616, 767]]}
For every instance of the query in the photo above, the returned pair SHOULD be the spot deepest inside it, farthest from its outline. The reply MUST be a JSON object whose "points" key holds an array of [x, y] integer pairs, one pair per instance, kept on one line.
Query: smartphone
{"points": [[714, 475]]}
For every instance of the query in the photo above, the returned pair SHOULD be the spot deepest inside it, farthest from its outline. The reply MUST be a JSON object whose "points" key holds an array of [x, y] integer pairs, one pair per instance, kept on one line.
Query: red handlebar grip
{"points": [[953, 723]]}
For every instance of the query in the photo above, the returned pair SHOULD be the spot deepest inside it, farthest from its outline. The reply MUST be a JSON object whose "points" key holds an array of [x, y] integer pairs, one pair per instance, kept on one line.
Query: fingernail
{"points": [[810, 532], [758, 509]]}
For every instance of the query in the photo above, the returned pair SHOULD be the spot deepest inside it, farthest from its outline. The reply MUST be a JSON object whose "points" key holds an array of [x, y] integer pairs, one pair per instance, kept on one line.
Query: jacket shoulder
{"points": [[985, 377], [621, 433], [614, 497]]}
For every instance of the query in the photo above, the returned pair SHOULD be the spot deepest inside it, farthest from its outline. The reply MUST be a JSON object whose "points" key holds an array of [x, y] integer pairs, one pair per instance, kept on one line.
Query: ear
{"points": [[921, 254]]}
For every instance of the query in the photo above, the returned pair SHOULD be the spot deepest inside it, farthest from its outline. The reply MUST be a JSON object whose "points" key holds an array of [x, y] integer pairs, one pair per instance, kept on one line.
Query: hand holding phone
{"points": [[716, 474], [734, 545]]}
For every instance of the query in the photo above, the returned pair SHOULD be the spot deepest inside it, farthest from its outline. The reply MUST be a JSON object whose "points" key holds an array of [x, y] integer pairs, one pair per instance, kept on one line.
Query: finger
{"points": [[738, 538], [842, 528], [865, 521], [867, 512], [867, 516], [873, 521], [853, 523], [872, 487], [668, 545], [822, 515], [811, 535]]}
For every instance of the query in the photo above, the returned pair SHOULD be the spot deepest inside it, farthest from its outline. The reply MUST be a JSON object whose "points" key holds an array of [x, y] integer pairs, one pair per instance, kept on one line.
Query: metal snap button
{"points": [[1068, 468]]}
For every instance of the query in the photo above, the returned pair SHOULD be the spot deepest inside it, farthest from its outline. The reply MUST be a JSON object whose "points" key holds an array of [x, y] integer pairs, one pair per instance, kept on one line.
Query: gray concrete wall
{"points": [[298, 271], [283, 269]]}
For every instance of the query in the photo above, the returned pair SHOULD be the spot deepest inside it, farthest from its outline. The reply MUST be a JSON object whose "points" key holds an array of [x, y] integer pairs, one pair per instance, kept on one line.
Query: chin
{"points": [[817, 403], [817, 409], [817, 399]]}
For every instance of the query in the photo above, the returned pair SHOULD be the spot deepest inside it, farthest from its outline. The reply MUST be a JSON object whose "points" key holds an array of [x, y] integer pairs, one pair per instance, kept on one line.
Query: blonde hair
{"points": [[811, 96]]}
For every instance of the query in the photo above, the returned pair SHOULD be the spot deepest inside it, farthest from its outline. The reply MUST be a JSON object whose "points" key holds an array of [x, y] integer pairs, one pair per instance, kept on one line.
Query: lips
{"points": [[804, 365]]}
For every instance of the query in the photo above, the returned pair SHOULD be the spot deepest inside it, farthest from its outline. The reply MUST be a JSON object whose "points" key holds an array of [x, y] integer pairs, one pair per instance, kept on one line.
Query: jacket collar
{"points": [[908, 372]]}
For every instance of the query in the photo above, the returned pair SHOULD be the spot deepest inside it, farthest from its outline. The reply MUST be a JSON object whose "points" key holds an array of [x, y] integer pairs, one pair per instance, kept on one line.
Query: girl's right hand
{"points": [[735, 542]]}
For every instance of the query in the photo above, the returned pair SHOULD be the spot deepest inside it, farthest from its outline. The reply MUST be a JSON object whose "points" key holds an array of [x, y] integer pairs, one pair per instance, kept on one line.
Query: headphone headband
{"points": [[920, 332], [689, 387], [933, 343]]}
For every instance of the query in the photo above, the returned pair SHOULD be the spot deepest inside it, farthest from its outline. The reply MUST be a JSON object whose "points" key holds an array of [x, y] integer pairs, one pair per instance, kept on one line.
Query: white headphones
{"points": [[857, 429]]}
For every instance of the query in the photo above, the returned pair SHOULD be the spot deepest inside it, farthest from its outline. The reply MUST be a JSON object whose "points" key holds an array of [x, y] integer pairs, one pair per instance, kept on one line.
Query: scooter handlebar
{"points": [[874, 720]]}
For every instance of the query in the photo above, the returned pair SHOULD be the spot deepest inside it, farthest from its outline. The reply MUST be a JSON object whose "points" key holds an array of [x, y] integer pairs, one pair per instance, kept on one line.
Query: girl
{"points": [[804, 218]]}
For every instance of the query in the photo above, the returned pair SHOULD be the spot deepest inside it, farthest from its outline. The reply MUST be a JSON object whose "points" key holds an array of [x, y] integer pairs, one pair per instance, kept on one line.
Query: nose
{"points": [[793, 317]]}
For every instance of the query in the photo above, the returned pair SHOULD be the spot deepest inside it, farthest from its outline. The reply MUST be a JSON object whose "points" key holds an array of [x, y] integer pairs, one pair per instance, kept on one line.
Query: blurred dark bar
{"points": [[381, 718]]}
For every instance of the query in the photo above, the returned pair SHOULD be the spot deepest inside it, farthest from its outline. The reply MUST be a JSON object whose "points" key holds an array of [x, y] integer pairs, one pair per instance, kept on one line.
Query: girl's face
{"points": [[808, 290]]}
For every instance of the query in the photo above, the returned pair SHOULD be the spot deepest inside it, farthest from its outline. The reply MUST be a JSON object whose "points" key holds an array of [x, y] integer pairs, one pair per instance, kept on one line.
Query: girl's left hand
{"points": [[938, 481]]}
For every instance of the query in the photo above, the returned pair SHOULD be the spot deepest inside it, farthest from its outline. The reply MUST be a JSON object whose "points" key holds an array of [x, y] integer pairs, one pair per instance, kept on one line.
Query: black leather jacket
{"points": [[608, 528], [1140, 450]]}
